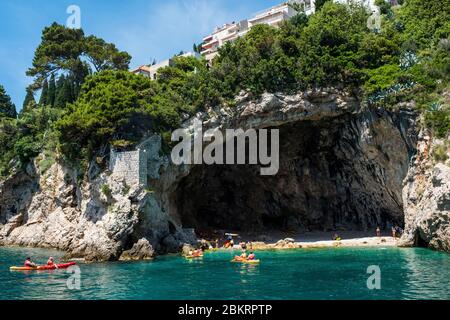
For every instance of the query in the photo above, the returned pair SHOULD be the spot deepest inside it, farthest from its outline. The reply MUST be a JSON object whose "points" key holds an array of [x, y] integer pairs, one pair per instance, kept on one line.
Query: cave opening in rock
{"points": [[340, 174], [420, 242]]}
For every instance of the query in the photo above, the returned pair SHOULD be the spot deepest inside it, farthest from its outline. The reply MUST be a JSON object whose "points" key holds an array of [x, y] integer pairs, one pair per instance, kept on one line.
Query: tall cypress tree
{"points": [[64, 92], [58, 97], [7, 108], [29, 98], [51, 96], [44, 94]]}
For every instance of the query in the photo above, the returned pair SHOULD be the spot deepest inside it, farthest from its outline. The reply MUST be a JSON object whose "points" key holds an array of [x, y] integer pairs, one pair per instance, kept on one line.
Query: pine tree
{"points": [[51, 91], [29, 98], [44, 94], [7, 108]]}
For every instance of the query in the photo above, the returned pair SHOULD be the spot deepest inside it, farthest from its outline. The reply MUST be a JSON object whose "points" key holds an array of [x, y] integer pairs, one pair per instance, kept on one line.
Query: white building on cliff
{"points": [[151, 71], [231, 31]]}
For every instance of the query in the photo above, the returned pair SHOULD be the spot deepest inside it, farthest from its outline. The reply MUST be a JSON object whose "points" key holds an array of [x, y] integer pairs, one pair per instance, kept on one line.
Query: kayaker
{"points": [[50, 261], [337, 237], [251, 256], [30, 264]]}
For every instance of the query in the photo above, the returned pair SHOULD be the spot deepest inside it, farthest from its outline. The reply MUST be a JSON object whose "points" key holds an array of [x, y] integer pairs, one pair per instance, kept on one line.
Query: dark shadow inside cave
{"points": [[330, 178], [420, 242]]}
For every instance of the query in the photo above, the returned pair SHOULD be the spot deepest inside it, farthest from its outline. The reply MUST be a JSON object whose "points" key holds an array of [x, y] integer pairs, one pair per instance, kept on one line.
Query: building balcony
{"points": [[208, 38], [210, 44]]}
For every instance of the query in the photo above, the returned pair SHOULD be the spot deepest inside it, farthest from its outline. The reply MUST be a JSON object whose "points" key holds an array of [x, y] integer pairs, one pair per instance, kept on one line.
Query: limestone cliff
{"points": [[342, 166], [426, 196]]}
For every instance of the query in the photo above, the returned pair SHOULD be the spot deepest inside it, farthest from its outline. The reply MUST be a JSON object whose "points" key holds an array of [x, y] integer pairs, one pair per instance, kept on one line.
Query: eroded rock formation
{"points": [[426, 197]]}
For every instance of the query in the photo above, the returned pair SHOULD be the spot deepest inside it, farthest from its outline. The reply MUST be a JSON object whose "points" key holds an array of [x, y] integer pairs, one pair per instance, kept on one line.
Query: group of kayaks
{"points": [[44, 267]]}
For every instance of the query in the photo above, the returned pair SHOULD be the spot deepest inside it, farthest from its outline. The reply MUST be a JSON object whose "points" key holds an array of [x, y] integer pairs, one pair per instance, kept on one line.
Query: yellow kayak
{"points": [[246, 261], [193, 257]]}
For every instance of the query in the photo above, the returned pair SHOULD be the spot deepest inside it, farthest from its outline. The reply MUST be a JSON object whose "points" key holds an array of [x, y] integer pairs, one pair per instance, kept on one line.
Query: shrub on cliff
{"points": [[110, 106], [120, 106]]}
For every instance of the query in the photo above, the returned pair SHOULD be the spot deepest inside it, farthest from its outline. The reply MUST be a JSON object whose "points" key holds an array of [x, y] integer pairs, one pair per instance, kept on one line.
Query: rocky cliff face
{"points": [[426, 196], [341, 167]]}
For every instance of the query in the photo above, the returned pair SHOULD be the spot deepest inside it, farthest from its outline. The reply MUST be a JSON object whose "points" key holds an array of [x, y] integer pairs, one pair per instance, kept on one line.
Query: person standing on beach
{"points": [[394, 232], [378, 231]]}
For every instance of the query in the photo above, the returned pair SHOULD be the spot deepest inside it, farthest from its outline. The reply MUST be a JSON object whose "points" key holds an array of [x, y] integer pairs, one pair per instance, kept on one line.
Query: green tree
{"points": [[51, 95], [105, 56], [59, 50], [7, 108], [29, 99], [320, 3], [44, 93], [111, 106], [330, 44], [425, 22], [69, 51], [64, 92], [8, 136]]}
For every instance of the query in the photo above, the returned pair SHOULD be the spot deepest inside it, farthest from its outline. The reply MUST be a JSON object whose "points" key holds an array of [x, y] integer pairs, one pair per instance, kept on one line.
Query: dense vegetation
{"points": [[88, 100]]}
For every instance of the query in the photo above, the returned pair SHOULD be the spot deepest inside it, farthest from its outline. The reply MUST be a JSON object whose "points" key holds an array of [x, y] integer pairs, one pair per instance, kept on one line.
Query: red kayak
{"points": [[46, 267]]}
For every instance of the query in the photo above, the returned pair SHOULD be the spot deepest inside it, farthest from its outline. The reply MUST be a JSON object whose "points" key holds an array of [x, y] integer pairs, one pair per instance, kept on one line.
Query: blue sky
{"points": [[147, 29]]}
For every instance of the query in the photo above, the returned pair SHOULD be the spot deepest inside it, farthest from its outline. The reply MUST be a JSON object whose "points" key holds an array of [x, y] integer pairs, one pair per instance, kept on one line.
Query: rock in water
{"points": [[141, 250], [186, 249]]}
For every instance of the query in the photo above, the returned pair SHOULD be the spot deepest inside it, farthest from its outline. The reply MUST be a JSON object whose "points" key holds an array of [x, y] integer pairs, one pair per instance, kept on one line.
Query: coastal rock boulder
{"points": [[141, 250]]}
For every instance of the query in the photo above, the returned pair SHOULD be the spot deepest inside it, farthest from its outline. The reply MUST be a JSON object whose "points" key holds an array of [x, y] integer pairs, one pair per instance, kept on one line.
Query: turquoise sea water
{"points": [[298, 274]]}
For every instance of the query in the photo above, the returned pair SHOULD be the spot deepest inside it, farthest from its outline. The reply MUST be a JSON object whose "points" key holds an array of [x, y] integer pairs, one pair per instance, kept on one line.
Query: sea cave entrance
{"points": [[344, 173]]}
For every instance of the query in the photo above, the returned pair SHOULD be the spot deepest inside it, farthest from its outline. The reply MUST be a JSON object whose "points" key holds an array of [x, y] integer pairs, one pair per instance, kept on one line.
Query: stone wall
{"points": [[129, 166], [137, 166]]}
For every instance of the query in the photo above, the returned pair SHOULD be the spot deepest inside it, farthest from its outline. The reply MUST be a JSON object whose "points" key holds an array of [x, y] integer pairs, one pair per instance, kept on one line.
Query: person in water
{"points": [[251, 256], [30, 264], [242, 257]]}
